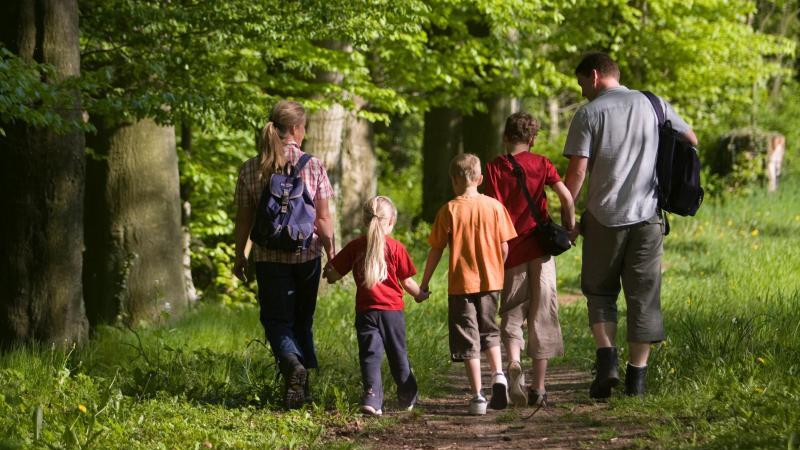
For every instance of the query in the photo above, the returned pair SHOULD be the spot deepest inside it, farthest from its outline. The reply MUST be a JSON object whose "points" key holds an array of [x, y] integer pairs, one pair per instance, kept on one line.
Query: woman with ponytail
{"points": [[382, 269], [287, 280]]}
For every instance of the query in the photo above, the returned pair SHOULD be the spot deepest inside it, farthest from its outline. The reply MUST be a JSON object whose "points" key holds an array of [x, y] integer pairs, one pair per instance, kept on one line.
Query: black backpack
{"points": [[677, 168]]}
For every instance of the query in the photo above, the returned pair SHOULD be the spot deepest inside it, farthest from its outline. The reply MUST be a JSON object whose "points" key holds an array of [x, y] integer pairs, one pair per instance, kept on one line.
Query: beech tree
{"points": [[41, 296]]}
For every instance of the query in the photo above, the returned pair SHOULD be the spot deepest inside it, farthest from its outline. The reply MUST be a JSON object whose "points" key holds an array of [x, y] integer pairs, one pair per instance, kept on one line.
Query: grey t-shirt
{"points": [[618, 132]]}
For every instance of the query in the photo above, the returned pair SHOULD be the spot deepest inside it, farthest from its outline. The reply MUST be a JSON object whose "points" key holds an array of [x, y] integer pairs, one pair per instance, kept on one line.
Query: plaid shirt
{"points": [[251, 184]]}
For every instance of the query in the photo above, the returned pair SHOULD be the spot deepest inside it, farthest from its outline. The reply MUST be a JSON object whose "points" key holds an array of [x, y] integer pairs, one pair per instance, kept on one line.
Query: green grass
{"points": [[727, 377]]}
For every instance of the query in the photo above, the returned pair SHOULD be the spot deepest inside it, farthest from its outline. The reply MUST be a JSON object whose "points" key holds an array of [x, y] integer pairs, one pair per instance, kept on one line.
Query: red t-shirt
{"points": [[386, 295], [502, 184]]}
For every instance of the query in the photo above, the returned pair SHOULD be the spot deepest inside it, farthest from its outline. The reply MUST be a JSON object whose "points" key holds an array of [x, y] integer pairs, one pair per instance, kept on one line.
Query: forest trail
{"points": [[572, 421]]}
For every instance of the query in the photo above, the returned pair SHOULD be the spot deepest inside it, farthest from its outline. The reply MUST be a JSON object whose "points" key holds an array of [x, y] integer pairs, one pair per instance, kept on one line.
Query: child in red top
{"points": [[382, 269]]}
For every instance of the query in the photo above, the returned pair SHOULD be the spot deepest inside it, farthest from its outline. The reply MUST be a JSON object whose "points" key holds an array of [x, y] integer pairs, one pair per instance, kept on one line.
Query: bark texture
{"points": [[483, 131], [42, 180], [359, 176], [134, 242], [441, 141]]}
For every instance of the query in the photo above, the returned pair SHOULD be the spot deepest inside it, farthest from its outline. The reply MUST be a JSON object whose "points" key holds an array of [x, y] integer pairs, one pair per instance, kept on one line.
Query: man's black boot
{"points": [[607, 375], [294, 377], [635, 380]]}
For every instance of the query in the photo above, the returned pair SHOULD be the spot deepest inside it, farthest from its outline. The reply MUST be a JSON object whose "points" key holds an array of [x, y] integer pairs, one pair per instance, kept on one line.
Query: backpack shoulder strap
{"points": [[301, 163], [521, 180], [656, 102]]}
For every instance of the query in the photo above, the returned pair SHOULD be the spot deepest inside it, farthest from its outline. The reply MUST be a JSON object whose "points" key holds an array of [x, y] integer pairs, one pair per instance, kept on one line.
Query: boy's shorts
{"points": [[471, 320]]}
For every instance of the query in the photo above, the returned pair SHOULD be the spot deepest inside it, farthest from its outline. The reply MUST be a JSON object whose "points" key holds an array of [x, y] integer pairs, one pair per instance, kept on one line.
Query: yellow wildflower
{"points": [[81, 408], [754, 232]]}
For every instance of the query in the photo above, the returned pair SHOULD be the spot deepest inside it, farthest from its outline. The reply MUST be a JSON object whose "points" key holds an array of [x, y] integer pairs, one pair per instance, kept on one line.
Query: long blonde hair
{"points": [[285, 115], [379, 217]]}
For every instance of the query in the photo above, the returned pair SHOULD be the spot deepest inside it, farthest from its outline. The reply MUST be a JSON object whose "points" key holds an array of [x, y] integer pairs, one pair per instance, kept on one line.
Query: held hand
{"points": [[238, 268], [326, 272], [423, 295], [574, 233]]}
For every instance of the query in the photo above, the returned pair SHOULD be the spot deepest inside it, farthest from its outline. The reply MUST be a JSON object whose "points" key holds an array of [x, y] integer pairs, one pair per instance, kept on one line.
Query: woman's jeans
{"points": [[287, 295]]}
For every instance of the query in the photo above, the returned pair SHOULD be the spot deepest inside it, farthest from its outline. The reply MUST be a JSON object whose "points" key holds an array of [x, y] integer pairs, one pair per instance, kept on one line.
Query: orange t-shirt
{"points": [[474, 228]]}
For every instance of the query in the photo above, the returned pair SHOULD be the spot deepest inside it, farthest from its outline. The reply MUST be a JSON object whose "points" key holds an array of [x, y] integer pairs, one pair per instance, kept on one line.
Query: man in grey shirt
{"points": [[615, 138]]}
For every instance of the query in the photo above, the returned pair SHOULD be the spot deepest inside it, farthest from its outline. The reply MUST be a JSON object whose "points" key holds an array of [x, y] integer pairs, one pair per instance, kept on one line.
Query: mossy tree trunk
{"points": [[42, 180], [133, 268]]}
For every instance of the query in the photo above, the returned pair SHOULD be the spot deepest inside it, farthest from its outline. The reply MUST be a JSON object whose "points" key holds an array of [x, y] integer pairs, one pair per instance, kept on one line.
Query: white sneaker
{"points": [[499, 392], [370, 411], [517, 391], [477, 406]]}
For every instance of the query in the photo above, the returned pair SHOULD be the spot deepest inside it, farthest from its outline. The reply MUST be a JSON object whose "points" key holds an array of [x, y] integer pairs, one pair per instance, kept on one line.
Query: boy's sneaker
{"points": [[517, 391], [370, 411], [537, 400], [499, 392], [477, 406]]}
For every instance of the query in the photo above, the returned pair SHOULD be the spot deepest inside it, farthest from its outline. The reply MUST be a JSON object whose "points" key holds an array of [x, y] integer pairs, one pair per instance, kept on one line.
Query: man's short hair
{"points": [[600, 62], [465, 166]]}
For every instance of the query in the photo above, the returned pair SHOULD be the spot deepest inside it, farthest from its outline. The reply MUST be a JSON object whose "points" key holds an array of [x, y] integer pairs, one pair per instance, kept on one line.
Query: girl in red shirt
{"points": [[382, 269]]}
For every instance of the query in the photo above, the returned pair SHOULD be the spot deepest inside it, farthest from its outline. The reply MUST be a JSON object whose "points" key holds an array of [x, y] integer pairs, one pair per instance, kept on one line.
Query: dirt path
{"points": [[571, 422]]}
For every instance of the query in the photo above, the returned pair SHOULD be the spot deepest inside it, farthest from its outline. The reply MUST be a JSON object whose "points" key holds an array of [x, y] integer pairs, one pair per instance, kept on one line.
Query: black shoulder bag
{"points": [[553, 238]]}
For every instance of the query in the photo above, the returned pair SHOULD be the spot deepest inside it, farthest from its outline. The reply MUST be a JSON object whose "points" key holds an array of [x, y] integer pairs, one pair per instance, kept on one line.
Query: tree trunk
{"points": [[324, 137], [553, 110], [133, 268], [441, 141], [41, 177], [359, 175], [483, 132], [186, 216]]}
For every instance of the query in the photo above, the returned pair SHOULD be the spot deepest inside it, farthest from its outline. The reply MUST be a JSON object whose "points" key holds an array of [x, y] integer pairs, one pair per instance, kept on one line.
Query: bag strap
{"points": [[301, 163], [521, 181], [656, 106], [661, 120]]}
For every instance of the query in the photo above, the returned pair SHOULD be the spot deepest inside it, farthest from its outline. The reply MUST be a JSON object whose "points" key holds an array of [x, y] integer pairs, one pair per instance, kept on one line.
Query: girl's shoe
{"points": [[477, 406], [370, 411], [517, 391]]}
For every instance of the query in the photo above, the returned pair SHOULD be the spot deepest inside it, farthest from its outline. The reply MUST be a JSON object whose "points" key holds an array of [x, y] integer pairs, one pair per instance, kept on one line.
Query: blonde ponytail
{"points": [[379, 216], [285, 115]]}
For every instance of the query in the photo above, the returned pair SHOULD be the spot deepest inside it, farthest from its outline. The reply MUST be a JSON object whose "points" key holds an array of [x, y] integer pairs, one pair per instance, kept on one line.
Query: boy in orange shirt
{"points": [[477, 229]]}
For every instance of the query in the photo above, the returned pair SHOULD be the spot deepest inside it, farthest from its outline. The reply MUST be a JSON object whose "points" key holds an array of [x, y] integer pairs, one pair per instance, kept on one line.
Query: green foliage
{"points": [[33, 94]]}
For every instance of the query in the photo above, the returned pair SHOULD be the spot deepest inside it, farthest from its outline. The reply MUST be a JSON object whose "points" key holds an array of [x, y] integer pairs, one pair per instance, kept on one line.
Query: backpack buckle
{"points": [[285, 200]]}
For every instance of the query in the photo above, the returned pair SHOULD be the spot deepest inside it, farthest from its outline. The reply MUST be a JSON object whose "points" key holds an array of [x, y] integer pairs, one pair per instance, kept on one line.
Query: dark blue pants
{"points": [[287, 295], [376, 331]]}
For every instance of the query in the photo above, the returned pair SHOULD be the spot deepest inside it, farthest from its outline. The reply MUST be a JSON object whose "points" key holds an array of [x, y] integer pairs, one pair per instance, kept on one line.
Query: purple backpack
{"points": [[285, 215]]}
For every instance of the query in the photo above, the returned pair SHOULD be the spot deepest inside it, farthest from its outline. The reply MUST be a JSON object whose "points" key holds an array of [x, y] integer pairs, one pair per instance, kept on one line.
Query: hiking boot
{"points": [[607, 373], [537, 400], [477, 406], [295, 377], [517, 391], [499, 392], [635, 380]]}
